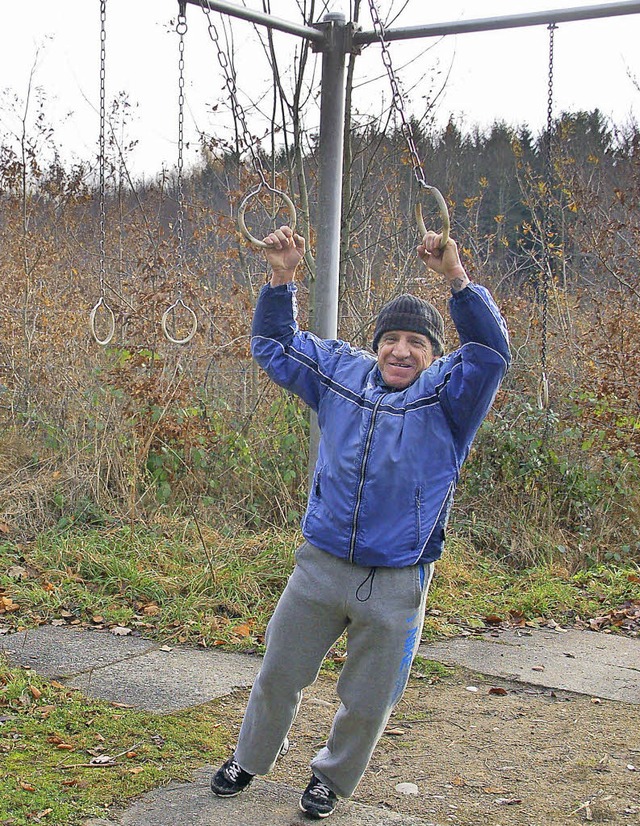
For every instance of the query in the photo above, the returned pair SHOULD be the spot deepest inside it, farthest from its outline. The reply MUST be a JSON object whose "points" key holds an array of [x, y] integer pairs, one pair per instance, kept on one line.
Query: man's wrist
{"points": [[457, 278], [279, 277]]}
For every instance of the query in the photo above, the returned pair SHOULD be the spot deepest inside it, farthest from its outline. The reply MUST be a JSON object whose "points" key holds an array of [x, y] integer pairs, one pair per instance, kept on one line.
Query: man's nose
{"points": [[400, 348]]}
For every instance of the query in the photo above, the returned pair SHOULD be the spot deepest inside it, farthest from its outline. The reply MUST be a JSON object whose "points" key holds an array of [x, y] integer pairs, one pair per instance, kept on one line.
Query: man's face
{"points": [[402, 356]]}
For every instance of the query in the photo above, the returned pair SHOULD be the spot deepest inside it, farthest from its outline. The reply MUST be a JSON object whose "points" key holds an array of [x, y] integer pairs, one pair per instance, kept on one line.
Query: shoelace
{"points": [[233, 770], [320, 790]]}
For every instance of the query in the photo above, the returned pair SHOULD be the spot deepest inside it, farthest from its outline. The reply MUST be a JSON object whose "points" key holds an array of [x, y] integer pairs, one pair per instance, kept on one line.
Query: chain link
{"points": [[398, 105], [181, 29], [101, 159], [397, 99], [102, 307], [547, 228], [230, 83]]}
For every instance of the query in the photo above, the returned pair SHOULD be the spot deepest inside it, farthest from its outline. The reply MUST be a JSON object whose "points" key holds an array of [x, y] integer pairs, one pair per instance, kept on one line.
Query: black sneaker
{"points": [[230, 779], [317, 799]]}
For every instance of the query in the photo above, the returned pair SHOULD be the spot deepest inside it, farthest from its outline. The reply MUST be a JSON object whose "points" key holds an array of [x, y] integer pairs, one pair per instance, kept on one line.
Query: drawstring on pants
{"points": [[370, 577]]}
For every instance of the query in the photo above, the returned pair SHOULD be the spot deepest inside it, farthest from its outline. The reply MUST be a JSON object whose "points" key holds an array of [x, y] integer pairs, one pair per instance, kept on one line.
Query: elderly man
{"points": [[395, 431]]}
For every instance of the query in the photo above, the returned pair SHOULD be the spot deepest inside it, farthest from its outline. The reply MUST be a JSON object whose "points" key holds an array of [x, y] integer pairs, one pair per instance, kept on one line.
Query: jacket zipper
{"points": [[363, 471]]}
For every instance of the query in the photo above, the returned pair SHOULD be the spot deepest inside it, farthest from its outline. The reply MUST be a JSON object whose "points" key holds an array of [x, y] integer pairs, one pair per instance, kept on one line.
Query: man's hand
{"points": [[285, 251], [446, 261]]}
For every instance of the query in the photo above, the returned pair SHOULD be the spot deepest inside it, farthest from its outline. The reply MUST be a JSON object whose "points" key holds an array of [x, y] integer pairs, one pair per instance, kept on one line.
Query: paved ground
{"points": [[143, 673]]}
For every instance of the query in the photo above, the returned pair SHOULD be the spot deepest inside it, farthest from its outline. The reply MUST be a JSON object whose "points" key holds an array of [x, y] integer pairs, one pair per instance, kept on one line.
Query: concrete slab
{"points": [[193, 804], [166, 681], [585, 662], [64, 651]]}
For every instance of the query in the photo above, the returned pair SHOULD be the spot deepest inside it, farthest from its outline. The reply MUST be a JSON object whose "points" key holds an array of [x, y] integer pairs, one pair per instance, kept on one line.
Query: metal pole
{"points": [[330, 151], [315, 35], [512, 21]]}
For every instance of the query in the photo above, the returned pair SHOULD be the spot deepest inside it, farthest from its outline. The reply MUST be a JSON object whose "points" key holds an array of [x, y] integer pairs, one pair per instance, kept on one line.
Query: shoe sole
{"points": [[227, 794], [314, 815]]}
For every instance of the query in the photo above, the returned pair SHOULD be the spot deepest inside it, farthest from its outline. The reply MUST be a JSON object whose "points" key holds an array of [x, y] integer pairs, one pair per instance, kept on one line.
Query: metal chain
{"points": [[246, 140], [102, 305], [547, 228], [170, 312], [101, 160], [181, 29], [398, 104], [230, 83], [397, 98]]}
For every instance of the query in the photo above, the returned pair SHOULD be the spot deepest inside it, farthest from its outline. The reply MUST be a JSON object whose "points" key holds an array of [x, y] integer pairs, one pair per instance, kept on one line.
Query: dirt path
{"points": [[527, 757]]}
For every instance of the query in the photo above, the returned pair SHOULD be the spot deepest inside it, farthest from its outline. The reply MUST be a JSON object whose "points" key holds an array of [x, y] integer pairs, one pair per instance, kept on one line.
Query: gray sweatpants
{"points": [[382, 610]]}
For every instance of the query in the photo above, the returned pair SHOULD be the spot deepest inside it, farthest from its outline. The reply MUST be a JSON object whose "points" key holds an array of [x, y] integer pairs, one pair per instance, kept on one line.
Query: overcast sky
{"points": [[497, 75]]}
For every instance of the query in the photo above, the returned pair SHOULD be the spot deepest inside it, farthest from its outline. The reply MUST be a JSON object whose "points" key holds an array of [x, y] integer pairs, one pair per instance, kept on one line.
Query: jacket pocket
{"points": [[417, 505]]}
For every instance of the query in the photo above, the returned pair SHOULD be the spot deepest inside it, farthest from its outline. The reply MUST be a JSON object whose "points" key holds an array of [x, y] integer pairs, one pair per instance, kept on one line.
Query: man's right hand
{"points": [[284, 252]]}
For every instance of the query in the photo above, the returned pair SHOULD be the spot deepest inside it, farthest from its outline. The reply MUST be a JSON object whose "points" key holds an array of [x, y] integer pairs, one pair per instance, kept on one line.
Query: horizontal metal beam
{"points": [[277, 23], [511, 21]]}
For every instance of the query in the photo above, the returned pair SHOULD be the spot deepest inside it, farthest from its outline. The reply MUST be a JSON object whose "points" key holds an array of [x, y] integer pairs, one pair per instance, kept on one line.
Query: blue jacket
{"points": [[388, 461]]}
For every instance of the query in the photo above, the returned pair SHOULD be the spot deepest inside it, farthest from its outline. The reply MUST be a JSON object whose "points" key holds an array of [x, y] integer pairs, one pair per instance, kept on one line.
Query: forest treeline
{"points": [[142, 428]]}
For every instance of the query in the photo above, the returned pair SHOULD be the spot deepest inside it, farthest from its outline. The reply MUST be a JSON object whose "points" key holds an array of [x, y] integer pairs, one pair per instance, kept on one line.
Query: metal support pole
{"points": [[512, 21], [330, 152], [261, 18]]}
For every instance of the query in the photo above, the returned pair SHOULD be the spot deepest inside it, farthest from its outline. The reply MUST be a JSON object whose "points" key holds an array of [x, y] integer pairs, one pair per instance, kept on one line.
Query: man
{"points": [[394, 433]]}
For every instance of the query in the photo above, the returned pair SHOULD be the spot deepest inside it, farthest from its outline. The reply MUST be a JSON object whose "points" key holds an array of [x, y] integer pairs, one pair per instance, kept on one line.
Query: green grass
{"points": [[174, 589], [49, 735]]}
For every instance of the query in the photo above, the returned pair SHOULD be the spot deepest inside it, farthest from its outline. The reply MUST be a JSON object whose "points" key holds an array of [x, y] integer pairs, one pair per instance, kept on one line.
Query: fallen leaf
{"points": [[493, 619], [537, 668], [396, 732], [165, 648], [242, 630], [7, 605], [135, 769], [498, 690], [35, 692], [151, 610], [101, 760], [507, 801], [54, 739], [45, 711], [120, 631], [28, 787], [17, 572]]}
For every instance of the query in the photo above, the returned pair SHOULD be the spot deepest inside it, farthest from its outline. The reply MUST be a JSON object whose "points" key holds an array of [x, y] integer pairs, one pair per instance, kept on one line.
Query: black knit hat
{"points": [[408, 312]]}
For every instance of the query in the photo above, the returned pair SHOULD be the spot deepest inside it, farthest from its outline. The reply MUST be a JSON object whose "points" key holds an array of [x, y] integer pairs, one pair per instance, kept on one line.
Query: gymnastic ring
{"points": [[444, 215], [112, 322], [243, 207], [194, 323]]}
